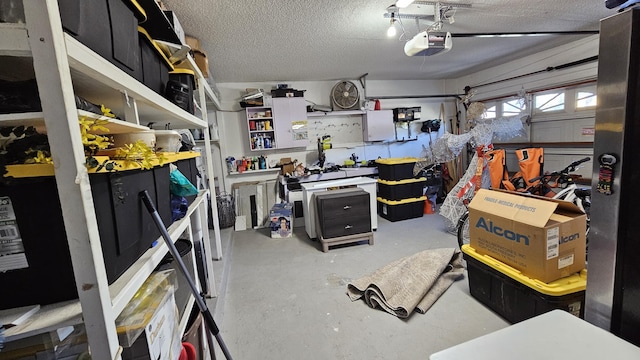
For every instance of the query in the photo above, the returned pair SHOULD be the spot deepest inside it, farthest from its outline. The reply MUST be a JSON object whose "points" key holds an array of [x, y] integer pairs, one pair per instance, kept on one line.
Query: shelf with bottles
{"points": [[261, 124], [247, 164], [261, 140]]}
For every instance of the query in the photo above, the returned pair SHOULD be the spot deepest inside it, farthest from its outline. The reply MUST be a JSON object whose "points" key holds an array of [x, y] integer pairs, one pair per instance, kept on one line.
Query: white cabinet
{"points": [[290, 122], [63, 66], [377, 125], [280, 126], [261, 128]]}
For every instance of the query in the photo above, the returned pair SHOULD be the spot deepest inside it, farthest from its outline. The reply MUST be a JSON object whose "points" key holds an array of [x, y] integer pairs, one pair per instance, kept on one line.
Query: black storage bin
{"points": [[517, 297], [126, 231], [396, 169], [162, 181], [401, 210], [49, 275], [108, 27], [155, 65], [179, 90], [403, 189], [189, 169], [19, 96]]}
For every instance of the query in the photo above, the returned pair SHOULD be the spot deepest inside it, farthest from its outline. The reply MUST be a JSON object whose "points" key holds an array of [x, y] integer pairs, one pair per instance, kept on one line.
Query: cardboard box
{"points": [[201, 60], [193, 42], [281, 224], [543, 238]]}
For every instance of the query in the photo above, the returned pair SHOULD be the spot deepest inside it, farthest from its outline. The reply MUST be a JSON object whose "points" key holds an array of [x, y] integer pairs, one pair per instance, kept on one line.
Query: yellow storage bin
{"points": [[402, 209], [517, 297], [396, 169]]}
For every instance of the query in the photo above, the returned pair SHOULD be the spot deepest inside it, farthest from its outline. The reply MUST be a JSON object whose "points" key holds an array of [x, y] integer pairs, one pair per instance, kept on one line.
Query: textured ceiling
{"points": [[297, 40]]}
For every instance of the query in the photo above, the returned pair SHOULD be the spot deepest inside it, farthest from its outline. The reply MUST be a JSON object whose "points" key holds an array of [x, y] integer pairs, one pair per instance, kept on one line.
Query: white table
{"points": [[550, 336], [309, 206]]}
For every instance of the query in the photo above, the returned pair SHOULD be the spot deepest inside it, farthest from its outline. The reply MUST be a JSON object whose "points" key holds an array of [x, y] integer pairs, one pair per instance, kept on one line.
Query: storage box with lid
{"points": [[542, 237], [517, 297], [35, 248], [396, 169], [401, 209], [402, 189], [180, 88], [154, 63], [108, 27]]}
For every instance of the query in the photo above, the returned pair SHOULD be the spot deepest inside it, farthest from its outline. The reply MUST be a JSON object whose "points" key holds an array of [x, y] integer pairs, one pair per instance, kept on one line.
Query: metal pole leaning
{"points": [[208, 318]]}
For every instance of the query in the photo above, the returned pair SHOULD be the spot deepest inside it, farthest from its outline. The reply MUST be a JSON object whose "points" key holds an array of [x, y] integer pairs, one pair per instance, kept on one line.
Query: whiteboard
{"points": [[343, 129]]}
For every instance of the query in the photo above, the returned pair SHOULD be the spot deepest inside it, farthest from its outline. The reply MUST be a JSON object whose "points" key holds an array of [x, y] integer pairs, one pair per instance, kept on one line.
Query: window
{"points": [[586, 98], [553, 101], [490, 112], [513, 107]]}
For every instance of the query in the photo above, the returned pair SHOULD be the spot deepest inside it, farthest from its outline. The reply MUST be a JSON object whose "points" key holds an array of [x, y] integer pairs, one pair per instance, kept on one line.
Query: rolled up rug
{"points": [[411, 283]]}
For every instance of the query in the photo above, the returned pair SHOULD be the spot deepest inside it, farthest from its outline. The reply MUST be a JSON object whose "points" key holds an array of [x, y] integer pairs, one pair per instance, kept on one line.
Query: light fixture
{"points": [[391, 31], [403, 3]]}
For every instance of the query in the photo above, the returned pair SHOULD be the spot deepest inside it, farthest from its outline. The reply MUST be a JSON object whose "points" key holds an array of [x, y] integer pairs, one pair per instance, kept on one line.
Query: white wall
{"points": [[234, 135]]}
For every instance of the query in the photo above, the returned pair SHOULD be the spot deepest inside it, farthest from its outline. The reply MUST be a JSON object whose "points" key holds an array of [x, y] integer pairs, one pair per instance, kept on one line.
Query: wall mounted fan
{"points": [[345, 96]]}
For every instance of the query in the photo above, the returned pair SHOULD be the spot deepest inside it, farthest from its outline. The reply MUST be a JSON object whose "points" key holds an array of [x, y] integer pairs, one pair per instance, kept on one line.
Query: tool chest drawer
{"points": [[341, 205], [346, 226], [343, 212]]}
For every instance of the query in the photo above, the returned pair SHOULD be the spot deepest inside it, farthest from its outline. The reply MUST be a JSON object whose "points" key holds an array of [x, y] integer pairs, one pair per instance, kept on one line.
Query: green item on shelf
{"points": [[180, 185]]}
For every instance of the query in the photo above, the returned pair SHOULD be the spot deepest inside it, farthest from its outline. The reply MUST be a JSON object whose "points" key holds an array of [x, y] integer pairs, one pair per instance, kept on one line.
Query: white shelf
{"points": [[55, 316], [260, 171], [36, 119], [261, 131], [63, 66], [260, 118], [115, 126], [48, 318], [99, 81], [14, 40], [335, 113]]}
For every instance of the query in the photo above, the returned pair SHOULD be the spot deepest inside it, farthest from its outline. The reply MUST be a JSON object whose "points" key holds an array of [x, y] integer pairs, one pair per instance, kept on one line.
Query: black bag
{"points": [[430, 125]]}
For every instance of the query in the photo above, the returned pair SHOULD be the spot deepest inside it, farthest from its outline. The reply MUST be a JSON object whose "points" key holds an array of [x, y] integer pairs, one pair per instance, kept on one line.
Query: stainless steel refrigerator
{"points": [[613, 283]]}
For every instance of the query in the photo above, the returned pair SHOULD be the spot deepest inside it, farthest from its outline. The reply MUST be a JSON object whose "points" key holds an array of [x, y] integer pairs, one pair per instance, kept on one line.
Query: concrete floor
{"points": [[286, 299]]}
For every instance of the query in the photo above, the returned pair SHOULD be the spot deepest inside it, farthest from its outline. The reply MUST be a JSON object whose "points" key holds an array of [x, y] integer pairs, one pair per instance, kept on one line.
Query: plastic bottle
{"points": [[267, 142]]}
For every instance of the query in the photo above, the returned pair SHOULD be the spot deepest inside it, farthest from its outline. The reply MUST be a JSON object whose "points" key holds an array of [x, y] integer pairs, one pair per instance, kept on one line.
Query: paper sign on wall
{"points": [[300, 130]]}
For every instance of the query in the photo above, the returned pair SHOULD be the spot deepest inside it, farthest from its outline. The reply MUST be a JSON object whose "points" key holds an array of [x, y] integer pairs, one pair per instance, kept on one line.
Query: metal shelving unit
{"points": [[63, 67]]}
